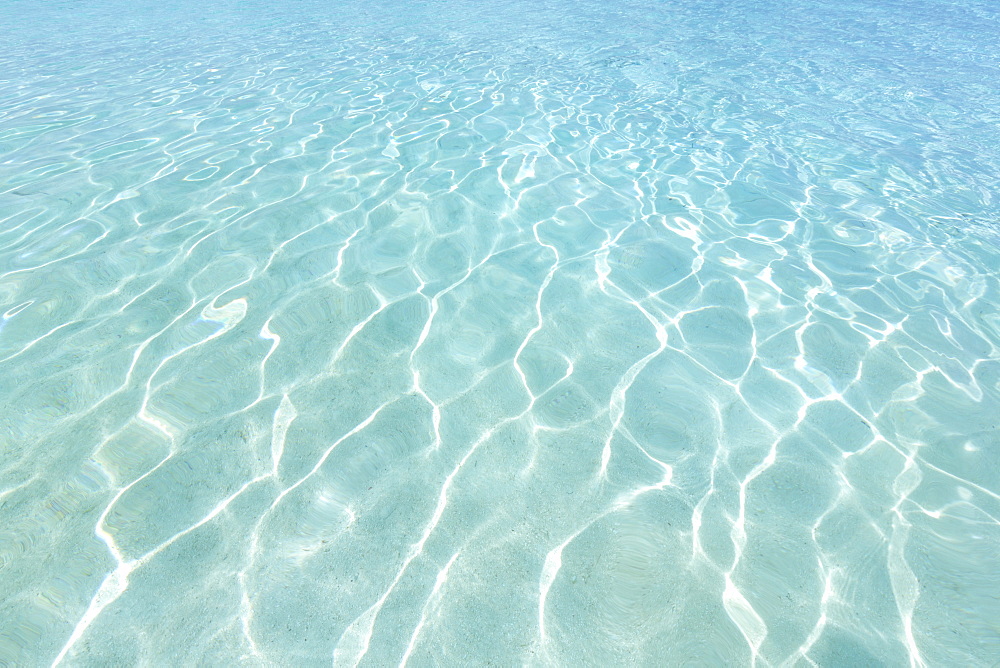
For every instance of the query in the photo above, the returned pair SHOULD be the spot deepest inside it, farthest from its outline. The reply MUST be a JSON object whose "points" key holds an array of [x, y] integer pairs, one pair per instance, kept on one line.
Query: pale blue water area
{"points": [[461, 333]]}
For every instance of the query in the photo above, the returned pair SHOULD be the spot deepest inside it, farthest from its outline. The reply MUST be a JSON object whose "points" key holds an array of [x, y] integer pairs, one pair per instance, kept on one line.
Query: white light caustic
{"points": [[473, 334]]}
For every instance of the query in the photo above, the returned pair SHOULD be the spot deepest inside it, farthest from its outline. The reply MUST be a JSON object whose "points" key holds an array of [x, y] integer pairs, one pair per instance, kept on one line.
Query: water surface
{"points": [[458, 333]]}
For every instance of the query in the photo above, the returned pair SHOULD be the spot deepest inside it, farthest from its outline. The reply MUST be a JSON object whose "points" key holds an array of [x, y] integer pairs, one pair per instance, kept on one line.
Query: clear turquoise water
{"points": [[457, 333]]}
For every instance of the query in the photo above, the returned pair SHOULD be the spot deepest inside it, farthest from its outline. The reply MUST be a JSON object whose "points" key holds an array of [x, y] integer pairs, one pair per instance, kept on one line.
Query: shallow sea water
{"points": [[458, 333]]}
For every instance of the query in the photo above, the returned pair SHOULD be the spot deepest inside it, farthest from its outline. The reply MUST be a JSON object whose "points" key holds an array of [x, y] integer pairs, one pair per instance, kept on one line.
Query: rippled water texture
{"points": [[448, 333]]}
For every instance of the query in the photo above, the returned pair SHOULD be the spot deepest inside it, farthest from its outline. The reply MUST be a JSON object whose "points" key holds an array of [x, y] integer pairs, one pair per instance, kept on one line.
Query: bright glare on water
{"points": [[461, 333]]}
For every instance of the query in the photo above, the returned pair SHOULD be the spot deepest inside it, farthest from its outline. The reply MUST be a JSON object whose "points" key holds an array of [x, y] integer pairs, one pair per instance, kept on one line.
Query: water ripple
{"points": [[471, 333]]}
